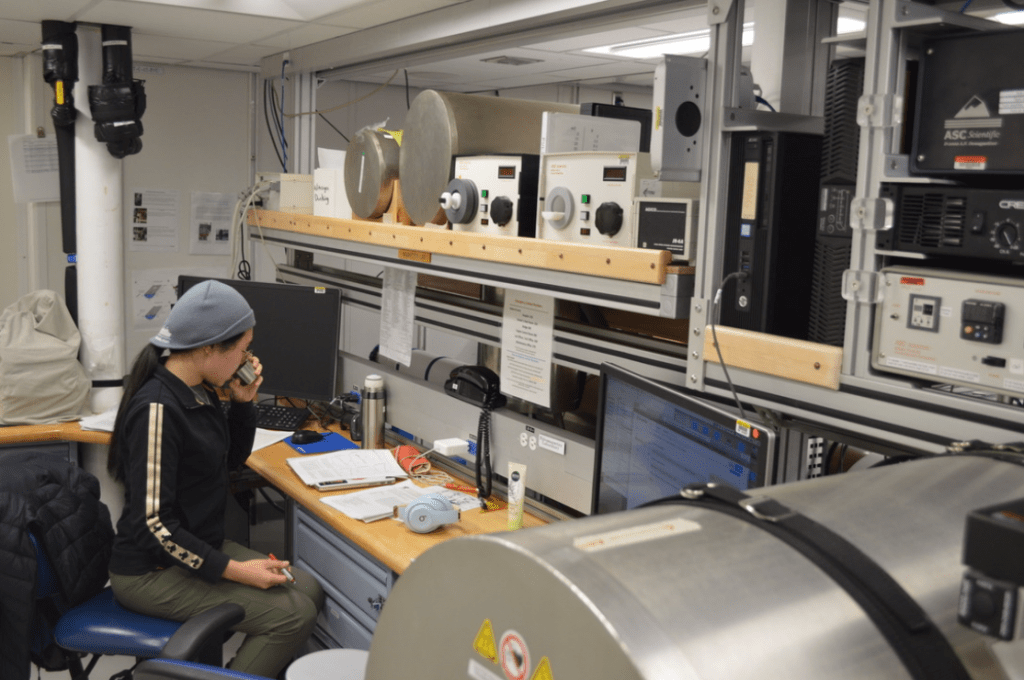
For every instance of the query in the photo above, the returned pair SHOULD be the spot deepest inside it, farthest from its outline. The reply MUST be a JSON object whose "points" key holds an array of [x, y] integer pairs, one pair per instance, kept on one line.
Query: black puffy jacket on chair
{"points": [[60, 504]]}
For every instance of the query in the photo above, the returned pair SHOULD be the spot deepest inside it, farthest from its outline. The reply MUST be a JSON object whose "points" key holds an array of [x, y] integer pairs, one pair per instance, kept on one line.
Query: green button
{"points": [[585, 198], [483, 193]]}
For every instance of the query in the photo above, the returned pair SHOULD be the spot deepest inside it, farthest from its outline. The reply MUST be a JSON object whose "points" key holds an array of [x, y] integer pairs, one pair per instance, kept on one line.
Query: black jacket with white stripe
{"points": [[176, 453]]}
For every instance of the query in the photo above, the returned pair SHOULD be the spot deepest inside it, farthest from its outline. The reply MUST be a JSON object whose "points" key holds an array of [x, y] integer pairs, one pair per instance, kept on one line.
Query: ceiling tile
{"points": [[35, 10], [184, 22], [162, 47], [377, 12], [304, 35], [21, 33]]}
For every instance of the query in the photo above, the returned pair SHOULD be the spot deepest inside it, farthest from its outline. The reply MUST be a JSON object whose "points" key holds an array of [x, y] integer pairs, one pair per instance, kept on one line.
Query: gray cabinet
{"points": [[355, 583]]}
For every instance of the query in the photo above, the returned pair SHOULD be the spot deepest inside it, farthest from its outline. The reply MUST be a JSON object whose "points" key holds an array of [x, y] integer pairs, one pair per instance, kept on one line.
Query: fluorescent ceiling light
{"points": [[693, 42], [850, 25], [1011, 18]]}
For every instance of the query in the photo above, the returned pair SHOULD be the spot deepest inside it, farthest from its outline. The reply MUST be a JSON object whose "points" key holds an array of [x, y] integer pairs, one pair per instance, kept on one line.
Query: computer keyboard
{"points": [[275, 417]]}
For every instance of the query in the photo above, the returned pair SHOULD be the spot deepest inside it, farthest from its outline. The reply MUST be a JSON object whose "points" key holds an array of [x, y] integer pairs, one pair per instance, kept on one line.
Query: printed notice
{"points": [[34, 168], [152, 221], [398, 314], [527, 333], [210, 228]]}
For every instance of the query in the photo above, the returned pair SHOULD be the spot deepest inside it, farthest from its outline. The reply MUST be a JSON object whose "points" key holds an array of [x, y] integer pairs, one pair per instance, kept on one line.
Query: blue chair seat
{"points": [[103, 626]]}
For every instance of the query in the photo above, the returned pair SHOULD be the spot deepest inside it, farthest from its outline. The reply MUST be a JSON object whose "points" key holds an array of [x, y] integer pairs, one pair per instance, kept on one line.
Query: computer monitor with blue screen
{"points": [[652, 441], [297, 335]]}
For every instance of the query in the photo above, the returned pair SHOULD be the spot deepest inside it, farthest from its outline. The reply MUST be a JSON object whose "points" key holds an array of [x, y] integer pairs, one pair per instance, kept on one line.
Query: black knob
{"points": [[608, 219], [1006, 234], [501, 210]]}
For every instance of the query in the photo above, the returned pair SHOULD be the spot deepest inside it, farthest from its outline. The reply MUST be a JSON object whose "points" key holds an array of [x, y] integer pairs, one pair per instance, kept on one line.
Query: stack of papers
{"points": [[347, 469], [374, 504]]}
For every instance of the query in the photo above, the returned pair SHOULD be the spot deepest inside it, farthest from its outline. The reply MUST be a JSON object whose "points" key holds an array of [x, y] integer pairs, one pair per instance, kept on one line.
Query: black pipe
{"points": [[117, 104], [60, 69]]}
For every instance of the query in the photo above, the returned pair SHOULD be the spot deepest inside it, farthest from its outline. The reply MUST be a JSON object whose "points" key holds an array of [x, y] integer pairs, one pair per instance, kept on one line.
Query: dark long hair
{"points": [[143, 368]]}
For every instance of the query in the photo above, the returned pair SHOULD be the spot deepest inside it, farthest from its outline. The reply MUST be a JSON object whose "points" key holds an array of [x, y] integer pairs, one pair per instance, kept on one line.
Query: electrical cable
{"points": [[483, 457], [714, 336], [334, 127], [348, 103], [762, 100], [266, 118], [284, 141]]}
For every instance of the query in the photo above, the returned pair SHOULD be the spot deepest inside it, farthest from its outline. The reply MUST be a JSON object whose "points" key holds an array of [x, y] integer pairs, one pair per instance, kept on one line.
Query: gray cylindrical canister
{"points": [[373, 412]]}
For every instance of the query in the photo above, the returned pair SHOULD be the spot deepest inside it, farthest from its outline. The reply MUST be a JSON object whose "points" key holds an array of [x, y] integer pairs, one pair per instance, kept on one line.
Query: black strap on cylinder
{"points": [[108, 383], [915, 639]]}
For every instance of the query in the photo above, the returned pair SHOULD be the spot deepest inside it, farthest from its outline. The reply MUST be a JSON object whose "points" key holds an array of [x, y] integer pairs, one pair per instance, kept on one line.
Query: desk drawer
{"points": [[361, 582], [337, 624]]}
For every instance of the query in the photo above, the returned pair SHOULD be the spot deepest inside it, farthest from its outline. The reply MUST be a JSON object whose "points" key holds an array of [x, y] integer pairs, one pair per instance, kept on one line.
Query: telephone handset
{"points": [[480, 386], [477, 385]]}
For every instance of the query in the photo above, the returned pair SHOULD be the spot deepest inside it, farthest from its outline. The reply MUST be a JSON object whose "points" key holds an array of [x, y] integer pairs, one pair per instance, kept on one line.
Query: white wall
{"points": [[9, 233], [197, 137]]}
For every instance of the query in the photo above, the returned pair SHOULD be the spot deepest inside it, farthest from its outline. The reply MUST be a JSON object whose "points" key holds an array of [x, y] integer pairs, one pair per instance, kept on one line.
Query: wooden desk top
{"points": [[51, 432], [387, 540]]}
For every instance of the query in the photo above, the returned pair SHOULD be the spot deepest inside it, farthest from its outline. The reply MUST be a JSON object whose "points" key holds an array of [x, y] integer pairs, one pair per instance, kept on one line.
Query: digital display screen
{"points": [[506, 172], [653, 441], [615, 173]]}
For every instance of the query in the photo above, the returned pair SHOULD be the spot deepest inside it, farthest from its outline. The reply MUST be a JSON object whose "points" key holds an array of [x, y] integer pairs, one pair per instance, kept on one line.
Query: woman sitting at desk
{"points": [[172, 446]]}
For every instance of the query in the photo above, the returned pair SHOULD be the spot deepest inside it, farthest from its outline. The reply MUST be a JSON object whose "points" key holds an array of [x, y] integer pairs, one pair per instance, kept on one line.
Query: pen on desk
{"points": [[353, 483], [286, 571]]}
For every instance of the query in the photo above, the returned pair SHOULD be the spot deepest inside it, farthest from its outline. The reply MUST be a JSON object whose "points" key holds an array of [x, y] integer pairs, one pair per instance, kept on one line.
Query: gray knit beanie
{"points": [[208, 313]]}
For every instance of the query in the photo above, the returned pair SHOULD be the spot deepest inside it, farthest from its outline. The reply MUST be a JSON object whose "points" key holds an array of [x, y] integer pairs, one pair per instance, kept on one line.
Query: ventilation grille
{"points": [[827, 322], [844, 86], [931, 220]]}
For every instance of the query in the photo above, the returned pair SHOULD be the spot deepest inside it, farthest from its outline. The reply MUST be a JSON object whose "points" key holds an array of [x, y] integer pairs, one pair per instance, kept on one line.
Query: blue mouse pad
{"points": [[332, 441]]}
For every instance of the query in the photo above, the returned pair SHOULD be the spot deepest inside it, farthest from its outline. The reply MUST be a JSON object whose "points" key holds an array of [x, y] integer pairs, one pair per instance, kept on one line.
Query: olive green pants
{"points": [[277, 620]]}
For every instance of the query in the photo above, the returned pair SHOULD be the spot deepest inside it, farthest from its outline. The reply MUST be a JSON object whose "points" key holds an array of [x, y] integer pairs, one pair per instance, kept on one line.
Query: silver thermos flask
{"points": [[373, 412]]}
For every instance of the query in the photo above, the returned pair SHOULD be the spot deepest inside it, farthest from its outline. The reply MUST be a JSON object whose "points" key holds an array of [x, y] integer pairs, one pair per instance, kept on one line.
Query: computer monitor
{"points": [[652, 441], [297, 335]]}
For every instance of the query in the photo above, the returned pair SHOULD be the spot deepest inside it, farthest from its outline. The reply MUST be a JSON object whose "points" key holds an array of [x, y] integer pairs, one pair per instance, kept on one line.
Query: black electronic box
{"points": [[771, 221], [985, 224], [970, 106]]}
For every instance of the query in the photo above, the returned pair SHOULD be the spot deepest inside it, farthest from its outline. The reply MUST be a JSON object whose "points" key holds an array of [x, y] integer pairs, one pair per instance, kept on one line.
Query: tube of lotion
{"points": [[516, 495]]}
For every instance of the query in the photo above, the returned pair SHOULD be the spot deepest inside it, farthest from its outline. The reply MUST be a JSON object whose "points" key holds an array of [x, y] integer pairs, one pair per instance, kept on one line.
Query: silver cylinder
{"points": [[440, 125], [371, 168], [681, 592], [372, 406]]}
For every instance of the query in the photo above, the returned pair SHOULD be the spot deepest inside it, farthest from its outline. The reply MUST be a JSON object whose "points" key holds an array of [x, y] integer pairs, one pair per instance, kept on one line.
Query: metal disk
{"points": [[371, 168], [440, 125]]}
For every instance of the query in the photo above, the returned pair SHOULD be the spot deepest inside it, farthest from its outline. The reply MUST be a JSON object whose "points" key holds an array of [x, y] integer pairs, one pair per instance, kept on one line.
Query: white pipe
{"points": [[100, 244]]}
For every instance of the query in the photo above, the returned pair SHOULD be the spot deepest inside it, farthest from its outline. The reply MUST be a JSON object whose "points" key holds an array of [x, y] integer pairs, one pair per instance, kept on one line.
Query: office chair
{"points": [[101, 626]]}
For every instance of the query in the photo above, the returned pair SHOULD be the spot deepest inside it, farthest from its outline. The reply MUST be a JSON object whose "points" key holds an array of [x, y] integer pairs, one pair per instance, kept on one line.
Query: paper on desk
{"points": [[347, 465], [101, 422], [265, 438], [379, 502]]}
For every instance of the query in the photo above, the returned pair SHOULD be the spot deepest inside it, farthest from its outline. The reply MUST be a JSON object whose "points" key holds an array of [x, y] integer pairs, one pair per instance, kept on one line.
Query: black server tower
{"points": [[832, 244], [770, 224]]}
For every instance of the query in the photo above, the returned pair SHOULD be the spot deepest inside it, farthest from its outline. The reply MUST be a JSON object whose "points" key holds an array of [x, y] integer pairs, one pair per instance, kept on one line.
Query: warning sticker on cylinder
{"points": [[484, 642], [632, 535], [515, 656]]}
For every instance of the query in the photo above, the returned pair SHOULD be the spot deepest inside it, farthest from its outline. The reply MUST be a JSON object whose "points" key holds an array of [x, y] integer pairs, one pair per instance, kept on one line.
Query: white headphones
{"points": [[427, 513]]}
